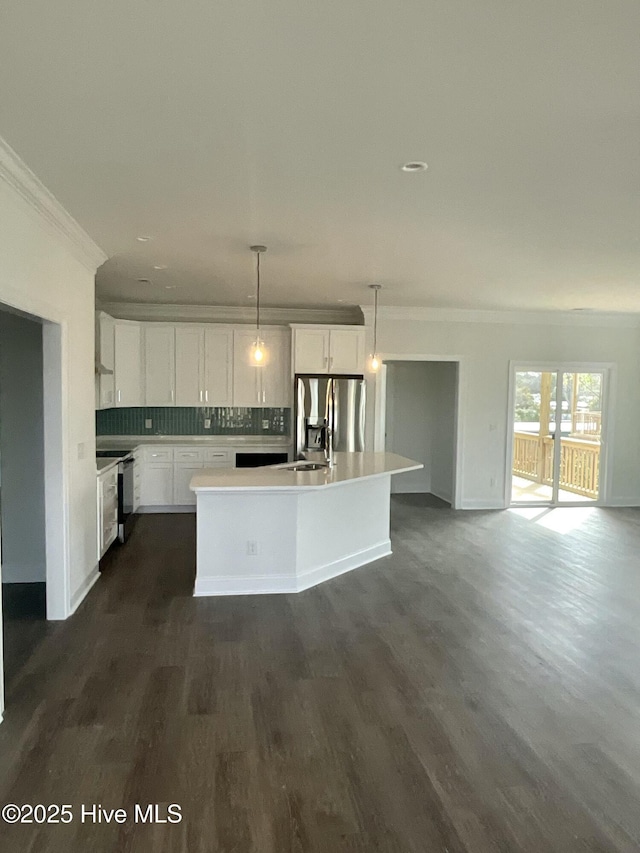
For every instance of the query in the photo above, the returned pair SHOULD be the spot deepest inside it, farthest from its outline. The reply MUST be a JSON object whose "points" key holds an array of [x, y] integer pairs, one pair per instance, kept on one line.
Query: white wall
{"points": [[47, 269], [485, 344], [409, 422], [21, 451]]}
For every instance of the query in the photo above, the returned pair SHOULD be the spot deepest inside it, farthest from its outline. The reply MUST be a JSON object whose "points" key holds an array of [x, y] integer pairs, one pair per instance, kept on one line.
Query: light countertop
{"points": [[103, 464], [348, 466], [130, 441]]}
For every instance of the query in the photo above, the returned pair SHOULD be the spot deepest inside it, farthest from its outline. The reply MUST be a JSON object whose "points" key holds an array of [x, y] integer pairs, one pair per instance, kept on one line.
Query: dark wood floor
{"points": [[24, 623], [477, 691]]}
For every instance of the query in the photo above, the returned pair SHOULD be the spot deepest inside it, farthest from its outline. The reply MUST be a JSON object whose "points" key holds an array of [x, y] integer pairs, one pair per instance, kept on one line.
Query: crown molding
{"points": [[169, 313], [17, 175], [512, 318]]}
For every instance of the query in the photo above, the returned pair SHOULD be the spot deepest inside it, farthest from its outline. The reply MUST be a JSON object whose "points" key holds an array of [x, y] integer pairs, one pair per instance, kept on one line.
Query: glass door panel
{"points": [[579, 462], [535, 404]]}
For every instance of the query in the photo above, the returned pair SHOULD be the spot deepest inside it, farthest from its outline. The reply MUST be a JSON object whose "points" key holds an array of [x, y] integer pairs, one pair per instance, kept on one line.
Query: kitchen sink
{"points": [[308, 466]]}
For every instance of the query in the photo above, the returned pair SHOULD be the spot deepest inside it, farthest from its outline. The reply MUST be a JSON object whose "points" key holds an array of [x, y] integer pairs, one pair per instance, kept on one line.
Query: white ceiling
{"points": [[214, 124]]}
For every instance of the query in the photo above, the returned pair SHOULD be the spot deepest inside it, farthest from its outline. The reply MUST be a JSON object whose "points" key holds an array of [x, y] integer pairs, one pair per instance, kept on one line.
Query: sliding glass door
{"points": [[557, 436]]}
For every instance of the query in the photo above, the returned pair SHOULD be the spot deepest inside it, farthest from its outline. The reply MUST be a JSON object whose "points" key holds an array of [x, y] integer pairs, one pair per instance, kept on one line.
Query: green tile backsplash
{"points": [[190, 421]]}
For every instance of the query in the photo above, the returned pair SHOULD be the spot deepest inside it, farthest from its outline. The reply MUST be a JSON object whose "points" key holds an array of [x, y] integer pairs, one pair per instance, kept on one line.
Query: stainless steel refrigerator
{"points": [[328, 402]]}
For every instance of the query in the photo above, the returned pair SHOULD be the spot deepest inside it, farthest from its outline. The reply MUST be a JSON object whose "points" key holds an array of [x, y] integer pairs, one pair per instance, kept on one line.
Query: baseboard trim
{"points": [[622, 502], [83, 590], [343, 565], [486, 504], [147, 510], [279, 584], [447, 498]]}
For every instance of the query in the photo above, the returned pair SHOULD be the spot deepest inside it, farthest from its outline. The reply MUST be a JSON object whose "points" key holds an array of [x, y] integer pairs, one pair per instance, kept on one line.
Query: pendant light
{"points": [[374, 361], [258, 349]]}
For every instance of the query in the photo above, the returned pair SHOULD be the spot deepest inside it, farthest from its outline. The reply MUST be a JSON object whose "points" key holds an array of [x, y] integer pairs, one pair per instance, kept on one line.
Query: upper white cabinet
{"points": [[105, 357], [346, 351], [270, 384], [203, 366], [128, 363], [188, 364], [189, 341], [246, 379], [339, 349], [311, 350], [277, 387], [159, 364], [218, 366]]}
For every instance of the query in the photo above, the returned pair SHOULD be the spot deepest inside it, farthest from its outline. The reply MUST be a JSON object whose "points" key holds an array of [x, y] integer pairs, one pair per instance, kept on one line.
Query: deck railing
{"points": [[579, 462]]}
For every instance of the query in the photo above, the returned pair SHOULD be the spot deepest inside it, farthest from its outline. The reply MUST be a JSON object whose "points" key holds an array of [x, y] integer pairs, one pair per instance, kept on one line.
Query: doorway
{"points": [[557, 436], [420, 416], [22, 489]]}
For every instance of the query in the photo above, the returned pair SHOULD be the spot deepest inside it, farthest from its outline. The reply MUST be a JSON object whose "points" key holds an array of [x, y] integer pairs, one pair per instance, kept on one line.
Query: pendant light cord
{"points": [[258, 293], [375, 321]]}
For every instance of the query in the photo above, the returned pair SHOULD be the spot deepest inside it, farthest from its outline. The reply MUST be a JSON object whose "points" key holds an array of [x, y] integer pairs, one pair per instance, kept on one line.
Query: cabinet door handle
{"points": [[172, 395], [119, 395], [200, 396], [264, 396], [206, 396]]}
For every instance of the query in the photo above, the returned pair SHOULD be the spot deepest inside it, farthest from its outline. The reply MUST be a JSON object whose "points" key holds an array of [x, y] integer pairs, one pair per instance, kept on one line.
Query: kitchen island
{"points": [[278, 529]]}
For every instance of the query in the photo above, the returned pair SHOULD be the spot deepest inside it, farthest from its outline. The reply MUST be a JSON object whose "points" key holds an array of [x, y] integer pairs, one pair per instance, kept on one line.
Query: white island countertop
{"points": [[347, 467]]}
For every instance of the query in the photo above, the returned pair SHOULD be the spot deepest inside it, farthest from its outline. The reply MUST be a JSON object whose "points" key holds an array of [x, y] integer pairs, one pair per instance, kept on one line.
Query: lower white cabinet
{"points": [[165, 473], [182, 474], [107, 509], [156, 488]]}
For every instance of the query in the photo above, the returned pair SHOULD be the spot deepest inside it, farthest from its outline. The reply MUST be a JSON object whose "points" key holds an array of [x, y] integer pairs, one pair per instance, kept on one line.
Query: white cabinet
{"points": [[346, 351], [204, 359], [107, 509], [137, 481], [329, 350], [159, 356], [128, 365], [277, 385], [182, 474], [189, 343], [157, 484], [269, 384], [246, 381], [105, 357], [166, 472], [311, 350], [218, 366]]}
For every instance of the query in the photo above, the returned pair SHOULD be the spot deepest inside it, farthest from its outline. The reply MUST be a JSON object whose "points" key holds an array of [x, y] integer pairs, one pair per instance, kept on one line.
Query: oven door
{"points": [[125, 498]]}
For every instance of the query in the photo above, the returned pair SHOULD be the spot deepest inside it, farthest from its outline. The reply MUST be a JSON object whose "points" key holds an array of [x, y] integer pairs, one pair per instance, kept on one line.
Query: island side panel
{"points": [[228, 523], [341, 528]]}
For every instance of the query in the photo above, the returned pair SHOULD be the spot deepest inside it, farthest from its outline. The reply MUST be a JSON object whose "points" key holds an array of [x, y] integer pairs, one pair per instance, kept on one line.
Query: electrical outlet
{"points": [[207, 423], [148, 423], [265, 424], [252, 548]]}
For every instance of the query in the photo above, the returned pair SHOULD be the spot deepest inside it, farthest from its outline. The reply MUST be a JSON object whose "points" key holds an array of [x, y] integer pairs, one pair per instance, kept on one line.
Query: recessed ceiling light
{"points": [[415, 166], [144, 281], [143, 239], [160, 267]]}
